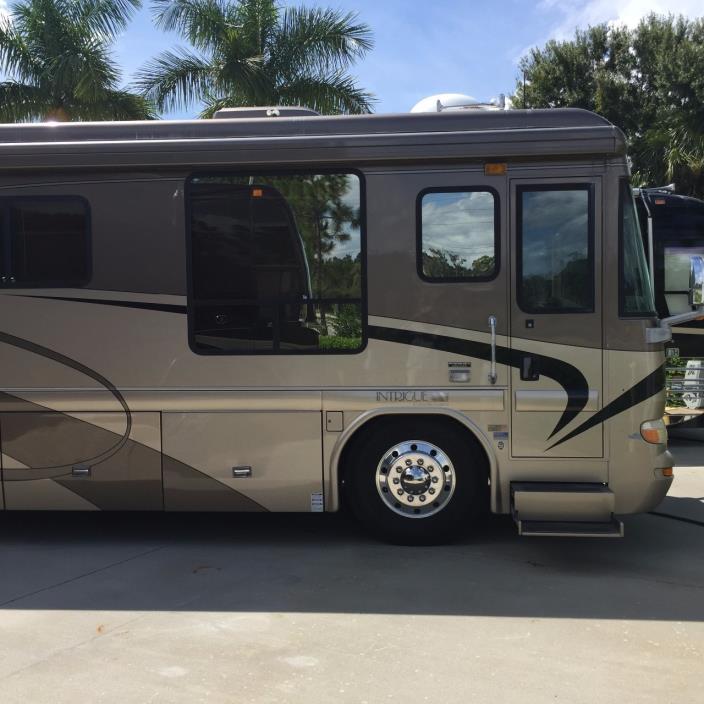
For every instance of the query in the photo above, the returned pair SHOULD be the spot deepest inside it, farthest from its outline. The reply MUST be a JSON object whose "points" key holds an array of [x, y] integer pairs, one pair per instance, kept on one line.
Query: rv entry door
{"points": [[556, 330]]}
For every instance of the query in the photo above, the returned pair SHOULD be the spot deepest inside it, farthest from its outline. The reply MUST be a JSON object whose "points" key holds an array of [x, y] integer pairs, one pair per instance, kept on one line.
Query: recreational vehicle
{"points": [[422, 317]]}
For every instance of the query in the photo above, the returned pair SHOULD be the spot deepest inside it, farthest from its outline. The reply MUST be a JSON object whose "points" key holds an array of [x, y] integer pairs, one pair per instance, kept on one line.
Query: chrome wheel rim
{"points": [[415, 479]]}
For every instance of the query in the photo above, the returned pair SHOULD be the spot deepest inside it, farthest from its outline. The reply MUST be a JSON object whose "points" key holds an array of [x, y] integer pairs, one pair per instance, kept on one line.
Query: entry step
{"points": [[571, 529], [562, 501]]}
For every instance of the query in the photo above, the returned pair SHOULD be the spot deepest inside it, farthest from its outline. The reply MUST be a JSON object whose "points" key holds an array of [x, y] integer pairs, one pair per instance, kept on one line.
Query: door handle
{"points": [[530, 370], [492, 327]]}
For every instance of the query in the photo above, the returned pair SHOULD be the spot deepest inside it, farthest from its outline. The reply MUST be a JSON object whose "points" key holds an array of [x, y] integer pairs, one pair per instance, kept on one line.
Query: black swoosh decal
{"points": [[141, 305], [644, 389], [568, 376], [42, 351]]}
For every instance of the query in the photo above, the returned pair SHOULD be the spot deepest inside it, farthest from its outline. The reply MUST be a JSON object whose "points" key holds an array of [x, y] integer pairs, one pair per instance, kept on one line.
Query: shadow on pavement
{"points": [[322, 563]]}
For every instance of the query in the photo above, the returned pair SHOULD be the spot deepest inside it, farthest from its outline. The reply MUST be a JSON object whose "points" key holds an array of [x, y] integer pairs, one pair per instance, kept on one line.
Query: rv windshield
{"points": [[636, 289]]}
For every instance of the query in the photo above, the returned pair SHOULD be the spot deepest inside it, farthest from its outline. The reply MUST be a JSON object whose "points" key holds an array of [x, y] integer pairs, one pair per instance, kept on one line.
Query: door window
{"points": [[555, 249]]}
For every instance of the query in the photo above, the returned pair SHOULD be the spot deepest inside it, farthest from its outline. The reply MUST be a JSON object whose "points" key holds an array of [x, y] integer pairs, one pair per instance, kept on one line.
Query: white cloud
{"points": [[580, 14]]}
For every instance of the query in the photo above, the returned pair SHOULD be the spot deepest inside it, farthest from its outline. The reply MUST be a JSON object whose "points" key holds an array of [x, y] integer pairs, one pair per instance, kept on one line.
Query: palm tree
{"points": [[253, 52], [56, 57]]}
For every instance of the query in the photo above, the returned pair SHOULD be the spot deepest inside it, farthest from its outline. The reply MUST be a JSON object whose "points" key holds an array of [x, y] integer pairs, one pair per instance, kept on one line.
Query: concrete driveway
{"points": [[164, 608]]}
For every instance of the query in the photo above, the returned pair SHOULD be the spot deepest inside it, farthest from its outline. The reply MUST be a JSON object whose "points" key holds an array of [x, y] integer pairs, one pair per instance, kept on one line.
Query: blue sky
{"points": [[435, 46]]}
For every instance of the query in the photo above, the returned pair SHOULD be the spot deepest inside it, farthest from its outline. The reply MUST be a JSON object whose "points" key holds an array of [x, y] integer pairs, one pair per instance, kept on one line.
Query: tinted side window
{"points": [[458, 235], [276, 263], [47, 242], [555, 250]]}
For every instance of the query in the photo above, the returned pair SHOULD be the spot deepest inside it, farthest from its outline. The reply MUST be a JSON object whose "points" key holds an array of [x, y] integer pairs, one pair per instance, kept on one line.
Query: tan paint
{"points": [[550, 400], [283, 450], [125, 473]]}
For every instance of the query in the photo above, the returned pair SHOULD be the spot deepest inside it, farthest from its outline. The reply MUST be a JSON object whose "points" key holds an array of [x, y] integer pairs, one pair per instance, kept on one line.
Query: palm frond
{"points": [[20, 102], [253, 23], [107, 17], [203, 22], [328, 94], [175, 79], [321, 39], [16, 57], [124, 105]]}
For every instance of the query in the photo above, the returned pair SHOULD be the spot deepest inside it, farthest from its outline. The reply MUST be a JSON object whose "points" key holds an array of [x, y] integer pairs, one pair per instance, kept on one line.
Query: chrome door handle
{"points": [[492, 372]]}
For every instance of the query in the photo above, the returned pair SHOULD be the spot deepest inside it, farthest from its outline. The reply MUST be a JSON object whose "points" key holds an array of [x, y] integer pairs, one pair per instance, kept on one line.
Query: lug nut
{"points": [[419, 461], [421, 498], [396, 480], [434, 480], [411, 499], [431, 490], [431, 468], [400, 492], [409, 463], [399, 469]]}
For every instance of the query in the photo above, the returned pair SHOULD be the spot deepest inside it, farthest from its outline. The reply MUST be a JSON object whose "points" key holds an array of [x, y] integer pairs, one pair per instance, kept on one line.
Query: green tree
{"points": [[254, 52], [649, 81], [56, 58]]}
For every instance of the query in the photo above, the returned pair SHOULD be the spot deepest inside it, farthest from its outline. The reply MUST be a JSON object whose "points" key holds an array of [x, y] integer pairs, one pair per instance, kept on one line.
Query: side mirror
{"points": [[696, 281]]}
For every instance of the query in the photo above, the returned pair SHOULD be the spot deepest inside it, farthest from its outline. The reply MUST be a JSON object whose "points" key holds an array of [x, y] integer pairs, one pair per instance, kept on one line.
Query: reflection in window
{"points": [[636, 289], [677, 266], [458, 235], [556, 271], [276, 263]]}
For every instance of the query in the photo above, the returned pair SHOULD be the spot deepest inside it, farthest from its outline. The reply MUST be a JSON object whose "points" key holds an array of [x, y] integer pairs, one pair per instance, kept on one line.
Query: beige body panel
{"points": [[538, 406], [42, 448], [282, 450]]}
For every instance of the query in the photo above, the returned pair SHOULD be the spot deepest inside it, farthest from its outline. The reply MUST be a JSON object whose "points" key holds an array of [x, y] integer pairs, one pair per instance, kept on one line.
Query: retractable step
{"points": [[569, 509], [571, 529]]}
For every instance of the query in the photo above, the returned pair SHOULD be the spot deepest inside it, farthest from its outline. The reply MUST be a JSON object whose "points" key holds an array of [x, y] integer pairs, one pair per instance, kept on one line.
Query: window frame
{"points": [[281, 171], [6, 204], [576, 186], [621, 279], [419, 234]]}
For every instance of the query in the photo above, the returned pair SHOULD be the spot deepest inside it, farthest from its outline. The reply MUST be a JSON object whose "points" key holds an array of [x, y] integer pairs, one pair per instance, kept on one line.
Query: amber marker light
{"points": [[257, 192], [495, 169], [668, 472], [654, 432]]}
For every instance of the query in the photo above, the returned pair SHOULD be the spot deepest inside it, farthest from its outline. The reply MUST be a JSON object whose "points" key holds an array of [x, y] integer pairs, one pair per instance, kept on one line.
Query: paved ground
{"points": [[173, 609]]}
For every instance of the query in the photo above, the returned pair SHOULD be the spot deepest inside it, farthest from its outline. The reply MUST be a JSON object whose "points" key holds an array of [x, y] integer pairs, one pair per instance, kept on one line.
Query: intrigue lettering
{"points": [[410, 396]]}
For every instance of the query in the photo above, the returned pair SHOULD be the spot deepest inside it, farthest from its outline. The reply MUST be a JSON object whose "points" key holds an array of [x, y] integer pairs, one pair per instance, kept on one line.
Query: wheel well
{"points": [[344, 464]]}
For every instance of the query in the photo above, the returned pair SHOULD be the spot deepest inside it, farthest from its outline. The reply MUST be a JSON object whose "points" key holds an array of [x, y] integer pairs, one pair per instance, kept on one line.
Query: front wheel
{"points": [[416, 481]]}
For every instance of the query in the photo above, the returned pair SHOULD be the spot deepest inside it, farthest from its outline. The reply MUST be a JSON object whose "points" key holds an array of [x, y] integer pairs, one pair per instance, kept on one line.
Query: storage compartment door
{"points": [[242, 461], [81, 461]]}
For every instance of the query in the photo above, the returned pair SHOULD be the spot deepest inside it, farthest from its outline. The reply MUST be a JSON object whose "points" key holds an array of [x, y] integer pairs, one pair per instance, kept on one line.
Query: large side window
{"points": [[276, 263], [458, 234], [45, 242], [555, 249]]}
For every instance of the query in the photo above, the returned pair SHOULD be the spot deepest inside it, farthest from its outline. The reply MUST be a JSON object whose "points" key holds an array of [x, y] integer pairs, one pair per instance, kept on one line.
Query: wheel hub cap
{"points": [[415, 479]]}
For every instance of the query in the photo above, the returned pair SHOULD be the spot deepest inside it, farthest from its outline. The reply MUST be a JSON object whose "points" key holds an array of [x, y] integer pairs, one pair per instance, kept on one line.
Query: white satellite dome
{"points": [[456, 101], [442, 101]]}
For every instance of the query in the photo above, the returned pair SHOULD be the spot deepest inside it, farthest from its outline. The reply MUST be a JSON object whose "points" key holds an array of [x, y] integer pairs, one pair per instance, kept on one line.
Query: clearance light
{"points": [[654, 432], [667, 472], [660, 201], [495, 169], [257, 192]]}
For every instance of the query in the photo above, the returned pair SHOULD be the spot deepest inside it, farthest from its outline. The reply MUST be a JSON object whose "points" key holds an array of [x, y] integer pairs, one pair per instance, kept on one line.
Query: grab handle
{"points": [[492, 372]]}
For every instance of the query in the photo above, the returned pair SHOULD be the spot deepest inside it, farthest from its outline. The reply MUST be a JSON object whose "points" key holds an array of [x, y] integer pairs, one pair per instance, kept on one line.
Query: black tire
{"points": [[467, 504]]}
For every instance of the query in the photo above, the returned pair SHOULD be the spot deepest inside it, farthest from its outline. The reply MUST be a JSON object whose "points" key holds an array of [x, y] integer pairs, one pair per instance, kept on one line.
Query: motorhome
{"points": [[421, 317], [673, 231]]}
